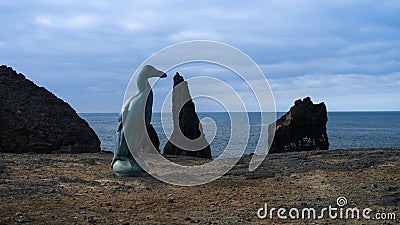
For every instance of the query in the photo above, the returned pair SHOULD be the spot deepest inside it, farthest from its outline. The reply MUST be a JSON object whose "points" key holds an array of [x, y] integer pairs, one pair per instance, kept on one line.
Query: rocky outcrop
{"points": [[34, 120], [186, 122], [302, 128]]}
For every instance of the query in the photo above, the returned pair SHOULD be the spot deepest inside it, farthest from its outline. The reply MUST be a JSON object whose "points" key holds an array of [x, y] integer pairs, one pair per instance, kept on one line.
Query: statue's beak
{"points": [[164, 75]]}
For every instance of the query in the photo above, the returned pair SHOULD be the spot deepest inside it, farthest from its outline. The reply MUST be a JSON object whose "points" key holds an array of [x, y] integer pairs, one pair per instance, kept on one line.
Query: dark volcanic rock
{"points": [[186, 121], [34, 120], [153, 137], [302, 128]]}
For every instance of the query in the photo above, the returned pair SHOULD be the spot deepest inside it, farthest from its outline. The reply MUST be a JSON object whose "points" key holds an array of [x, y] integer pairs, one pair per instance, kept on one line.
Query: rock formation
{"points": [[302, 128], [186, 120], [34, 120]]}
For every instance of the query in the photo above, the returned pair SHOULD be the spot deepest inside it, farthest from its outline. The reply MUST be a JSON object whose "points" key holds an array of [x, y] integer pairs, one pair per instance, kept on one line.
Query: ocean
{"points": [[345, 129]]}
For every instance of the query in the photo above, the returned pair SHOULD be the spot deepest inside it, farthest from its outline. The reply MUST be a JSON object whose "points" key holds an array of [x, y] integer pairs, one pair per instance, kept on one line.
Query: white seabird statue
{"points": [[133, 120]]}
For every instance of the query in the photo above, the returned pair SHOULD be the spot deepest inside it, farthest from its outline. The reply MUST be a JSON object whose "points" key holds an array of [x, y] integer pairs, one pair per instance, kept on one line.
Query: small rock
{"points": [[69, 179], [22, 218], [170, 200], [214, 204], [150, 217], [90, 219]]}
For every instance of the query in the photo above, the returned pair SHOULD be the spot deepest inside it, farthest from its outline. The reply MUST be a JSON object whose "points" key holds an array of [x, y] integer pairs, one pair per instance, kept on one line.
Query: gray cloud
{"points": [[85, 50], [340, 91]]}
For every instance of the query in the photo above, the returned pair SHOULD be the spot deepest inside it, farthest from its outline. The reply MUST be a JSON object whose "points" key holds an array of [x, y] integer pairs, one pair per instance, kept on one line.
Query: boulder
{"points": [[186, 122], [303, 128], [32, 119]]}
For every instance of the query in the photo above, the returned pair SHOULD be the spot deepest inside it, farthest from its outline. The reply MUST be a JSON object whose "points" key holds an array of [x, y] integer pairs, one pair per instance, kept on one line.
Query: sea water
{"points": [[345, 129]]}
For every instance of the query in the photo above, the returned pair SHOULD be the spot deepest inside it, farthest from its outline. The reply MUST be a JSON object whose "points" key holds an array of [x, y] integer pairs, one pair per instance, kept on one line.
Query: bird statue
{"points": [[134, 119]]}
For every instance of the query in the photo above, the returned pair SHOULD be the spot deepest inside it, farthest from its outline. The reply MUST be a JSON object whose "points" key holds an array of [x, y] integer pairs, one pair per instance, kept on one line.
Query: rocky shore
{"points": [[82, 189]]}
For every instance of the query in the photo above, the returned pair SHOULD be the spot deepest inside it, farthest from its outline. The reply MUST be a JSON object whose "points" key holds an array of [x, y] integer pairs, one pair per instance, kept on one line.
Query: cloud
{"points": [[94, 43], [82, 21], [193, 35], [340, 91]]}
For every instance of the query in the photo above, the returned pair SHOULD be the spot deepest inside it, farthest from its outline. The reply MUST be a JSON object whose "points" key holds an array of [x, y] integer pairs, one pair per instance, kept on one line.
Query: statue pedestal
{"points": [[128, 168]]}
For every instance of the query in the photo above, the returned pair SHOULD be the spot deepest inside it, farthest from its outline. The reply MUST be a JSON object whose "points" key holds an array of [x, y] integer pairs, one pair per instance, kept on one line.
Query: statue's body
{"points": [[133, 120]]}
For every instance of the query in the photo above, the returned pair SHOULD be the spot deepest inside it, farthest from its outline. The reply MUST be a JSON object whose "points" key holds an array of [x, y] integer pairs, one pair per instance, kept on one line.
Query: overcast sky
{"points": [[345, 53]]}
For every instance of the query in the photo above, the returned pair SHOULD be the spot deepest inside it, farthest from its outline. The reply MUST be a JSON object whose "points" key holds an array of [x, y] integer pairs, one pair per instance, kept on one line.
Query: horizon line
{"points": [[344, 111]]}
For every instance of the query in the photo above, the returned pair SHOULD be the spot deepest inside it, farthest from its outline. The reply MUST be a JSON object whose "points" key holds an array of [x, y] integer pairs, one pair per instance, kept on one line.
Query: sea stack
{"points": [[35, 120], [303, 128], [187, 122]]}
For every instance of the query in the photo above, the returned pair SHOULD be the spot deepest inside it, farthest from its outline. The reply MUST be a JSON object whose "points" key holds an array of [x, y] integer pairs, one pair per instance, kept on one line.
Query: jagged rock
{"points": [[302, 128], [33, 119], [186, 120]]}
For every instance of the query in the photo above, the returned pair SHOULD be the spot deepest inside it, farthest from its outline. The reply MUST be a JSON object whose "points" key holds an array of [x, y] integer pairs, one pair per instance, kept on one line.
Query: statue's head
{"points": [[149, 71]]}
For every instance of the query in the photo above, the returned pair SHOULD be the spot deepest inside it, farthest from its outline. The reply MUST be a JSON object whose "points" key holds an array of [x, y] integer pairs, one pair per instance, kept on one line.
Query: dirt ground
{"points": [[82, 189]]}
